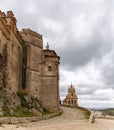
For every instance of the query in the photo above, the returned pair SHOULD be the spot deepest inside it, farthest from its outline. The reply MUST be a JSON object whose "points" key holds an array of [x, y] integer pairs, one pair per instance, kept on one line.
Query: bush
{"points": [[6, 111], [87, 114], [21, 92], [46, 111], [22, 112]]}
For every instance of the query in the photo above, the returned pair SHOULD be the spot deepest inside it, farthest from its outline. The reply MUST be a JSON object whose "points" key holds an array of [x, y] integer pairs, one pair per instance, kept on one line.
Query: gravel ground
{"points": [[67, 121]]}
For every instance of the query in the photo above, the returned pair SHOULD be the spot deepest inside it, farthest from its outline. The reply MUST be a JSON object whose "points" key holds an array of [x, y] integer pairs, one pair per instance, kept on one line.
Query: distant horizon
{"points": [[101, 108]]}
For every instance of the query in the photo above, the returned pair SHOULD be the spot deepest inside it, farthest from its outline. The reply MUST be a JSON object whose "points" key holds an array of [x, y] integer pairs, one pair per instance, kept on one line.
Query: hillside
{"points": [[109, 111]]}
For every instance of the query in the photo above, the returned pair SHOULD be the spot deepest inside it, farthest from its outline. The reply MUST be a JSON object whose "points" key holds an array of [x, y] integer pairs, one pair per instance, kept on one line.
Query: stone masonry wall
{"points": [[49, 93], [49, 72], [10, 47], [1, 72], [26, 65], [14, 65], [34, 44]]}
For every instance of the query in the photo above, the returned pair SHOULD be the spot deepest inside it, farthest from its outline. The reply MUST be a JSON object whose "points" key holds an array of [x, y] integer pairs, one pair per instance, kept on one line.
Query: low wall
{"points": [[50, 115], [16, 120]]}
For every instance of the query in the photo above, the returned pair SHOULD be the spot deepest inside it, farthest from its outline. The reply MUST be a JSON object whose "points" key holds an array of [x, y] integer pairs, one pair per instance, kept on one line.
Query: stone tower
{"points": [[71, 99], [49, 74], [32, 58], [40, 71]]}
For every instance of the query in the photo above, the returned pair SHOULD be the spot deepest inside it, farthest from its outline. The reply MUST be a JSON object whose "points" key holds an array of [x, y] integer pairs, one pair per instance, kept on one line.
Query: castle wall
{"points": [[3, 49], [49, 95], [3, 42], [14, 64], [32, 70], [11, 50], [34, 47], [1, 72], [40, 81], [24, 64]]}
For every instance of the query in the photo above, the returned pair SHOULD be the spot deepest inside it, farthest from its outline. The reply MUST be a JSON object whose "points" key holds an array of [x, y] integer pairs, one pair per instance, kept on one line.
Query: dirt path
{"points": [[68, 121]]}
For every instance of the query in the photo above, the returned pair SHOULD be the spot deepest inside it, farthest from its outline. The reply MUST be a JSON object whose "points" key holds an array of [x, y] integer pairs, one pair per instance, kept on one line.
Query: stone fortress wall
{"points": [[24, 64]]}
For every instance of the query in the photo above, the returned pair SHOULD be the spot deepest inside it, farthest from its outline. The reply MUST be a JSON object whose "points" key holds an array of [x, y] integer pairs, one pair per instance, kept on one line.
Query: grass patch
{"points": [[6, 111], [1, 124], [17, 112], [46, 112], [87, 114], [22, 112]]}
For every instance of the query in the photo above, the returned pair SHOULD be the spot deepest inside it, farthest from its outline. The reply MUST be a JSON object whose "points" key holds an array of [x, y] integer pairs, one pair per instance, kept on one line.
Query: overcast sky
{"points": [[82, 34]]}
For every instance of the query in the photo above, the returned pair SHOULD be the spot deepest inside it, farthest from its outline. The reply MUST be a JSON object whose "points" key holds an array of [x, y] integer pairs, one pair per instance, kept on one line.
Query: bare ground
{"points": [[71, 120]]}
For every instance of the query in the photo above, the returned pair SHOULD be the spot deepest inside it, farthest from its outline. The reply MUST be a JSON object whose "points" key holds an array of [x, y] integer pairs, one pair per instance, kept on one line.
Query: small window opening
{"points": [[49, 68]]}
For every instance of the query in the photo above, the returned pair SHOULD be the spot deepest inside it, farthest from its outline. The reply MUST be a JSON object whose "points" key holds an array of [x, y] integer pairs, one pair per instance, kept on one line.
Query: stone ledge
{"points": [[50, 115], [16, 120]]}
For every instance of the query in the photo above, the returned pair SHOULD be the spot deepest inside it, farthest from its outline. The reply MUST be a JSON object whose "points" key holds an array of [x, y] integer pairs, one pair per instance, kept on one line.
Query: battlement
{"points": [[10, 14], [11, 22], [3, 25], [2, 14], [7, 23]]}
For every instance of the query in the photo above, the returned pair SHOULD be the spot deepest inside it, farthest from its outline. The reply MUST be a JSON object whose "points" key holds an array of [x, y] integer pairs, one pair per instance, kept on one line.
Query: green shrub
{"points": [[6, 111], [87, 114], [22, 112], [1, 124], [21, 92], [46, 111]]}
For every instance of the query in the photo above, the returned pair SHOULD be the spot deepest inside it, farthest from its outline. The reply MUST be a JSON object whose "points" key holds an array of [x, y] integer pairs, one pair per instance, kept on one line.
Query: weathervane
{"points": [[47, 46]]}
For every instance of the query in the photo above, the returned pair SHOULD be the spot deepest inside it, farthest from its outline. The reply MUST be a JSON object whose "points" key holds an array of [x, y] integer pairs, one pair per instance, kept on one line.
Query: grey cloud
{"points": [[73, 56], [108, 75], [86, 34]]}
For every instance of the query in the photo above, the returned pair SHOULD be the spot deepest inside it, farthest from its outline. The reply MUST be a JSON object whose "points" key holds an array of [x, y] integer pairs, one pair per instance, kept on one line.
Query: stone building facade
{"points": [[24, 64], [71, 99]]}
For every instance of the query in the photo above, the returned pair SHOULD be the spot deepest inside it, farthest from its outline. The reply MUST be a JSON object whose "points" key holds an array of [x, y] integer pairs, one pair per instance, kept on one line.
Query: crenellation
{"points": [[2, 14], [10, 14], [3, 25]]}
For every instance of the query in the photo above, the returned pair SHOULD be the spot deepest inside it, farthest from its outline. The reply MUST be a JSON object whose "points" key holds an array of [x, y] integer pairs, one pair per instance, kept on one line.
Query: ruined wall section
{"points": [[49, 77], [33, 47]]}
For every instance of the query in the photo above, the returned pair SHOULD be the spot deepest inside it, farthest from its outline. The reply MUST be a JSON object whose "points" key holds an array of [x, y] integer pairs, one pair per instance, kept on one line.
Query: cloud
{"points": [[81, 32]]}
